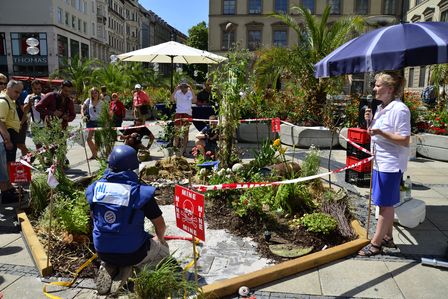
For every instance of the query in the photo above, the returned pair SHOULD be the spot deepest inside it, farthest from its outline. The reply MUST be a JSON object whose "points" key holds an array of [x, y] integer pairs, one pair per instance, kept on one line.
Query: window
{"points": [[2, 44], [417, 2], [59, 15], [335, 7], [19, 45], [281, 6], [62, 46], [79, 24], [228, 40], [84, 51], [84, 26], [74, 48], [280, 38], [93, 28], [422, 76], [73, 22], [254, 7], [444, 16], [67, 19], [309, 4], [411, 77], [390, 7], [254, 39], [362, 7], [229, 7]]}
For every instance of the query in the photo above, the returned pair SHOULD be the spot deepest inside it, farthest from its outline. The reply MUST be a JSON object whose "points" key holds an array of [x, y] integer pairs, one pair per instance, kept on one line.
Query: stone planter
{"points": [[433, 146], [304, 137], [342, 142], [255, 132]]}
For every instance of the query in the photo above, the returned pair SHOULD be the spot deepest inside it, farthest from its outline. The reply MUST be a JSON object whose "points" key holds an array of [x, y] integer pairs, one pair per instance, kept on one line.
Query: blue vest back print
{"points": [[116, 201]]}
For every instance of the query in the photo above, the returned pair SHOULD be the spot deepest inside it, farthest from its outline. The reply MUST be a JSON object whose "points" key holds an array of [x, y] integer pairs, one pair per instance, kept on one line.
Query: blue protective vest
{"points": [[116, 201]]}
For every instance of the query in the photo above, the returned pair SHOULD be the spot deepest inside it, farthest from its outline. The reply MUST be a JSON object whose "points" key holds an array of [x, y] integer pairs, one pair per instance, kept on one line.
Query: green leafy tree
{"points": [[317, 38], [198, 38]]}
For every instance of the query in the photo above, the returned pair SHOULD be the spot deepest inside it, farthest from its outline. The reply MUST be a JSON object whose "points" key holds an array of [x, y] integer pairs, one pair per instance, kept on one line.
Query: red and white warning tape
{"points": [[204, 188]]}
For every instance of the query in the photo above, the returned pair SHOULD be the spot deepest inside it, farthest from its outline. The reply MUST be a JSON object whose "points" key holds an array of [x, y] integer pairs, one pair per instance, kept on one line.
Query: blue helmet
{"points": [[123, 157]]}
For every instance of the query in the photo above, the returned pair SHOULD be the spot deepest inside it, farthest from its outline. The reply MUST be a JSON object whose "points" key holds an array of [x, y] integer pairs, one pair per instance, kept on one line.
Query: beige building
{"points": [[248, 22], [423, 11], [69, 28]]}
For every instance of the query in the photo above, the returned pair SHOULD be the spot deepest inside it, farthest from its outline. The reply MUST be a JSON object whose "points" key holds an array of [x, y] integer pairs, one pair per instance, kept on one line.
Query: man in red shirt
{"points": [[141, 104]]}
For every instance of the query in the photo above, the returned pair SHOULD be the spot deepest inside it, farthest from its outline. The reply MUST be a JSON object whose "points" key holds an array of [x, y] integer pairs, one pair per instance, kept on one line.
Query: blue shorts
{"points": [[4, 171], [386, 188], [92, 124]]}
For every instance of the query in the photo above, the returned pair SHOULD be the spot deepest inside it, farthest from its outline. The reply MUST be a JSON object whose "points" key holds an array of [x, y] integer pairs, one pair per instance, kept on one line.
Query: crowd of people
{"points": [[19, 107]]}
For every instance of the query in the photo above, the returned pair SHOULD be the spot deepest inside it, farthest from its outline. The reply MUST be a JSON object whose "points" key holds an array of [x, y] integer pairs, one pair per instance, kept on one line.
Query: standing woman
{"points": [[90, 112], [390, 130]]}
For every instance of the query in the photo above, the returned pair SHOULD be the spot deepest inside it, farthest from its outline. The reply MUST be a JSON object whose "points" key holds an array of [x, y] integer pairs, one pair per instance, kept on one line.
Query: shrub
{"points": [[293, 198], [39, 191], [312, 162], [253, 200], [319, 223]]}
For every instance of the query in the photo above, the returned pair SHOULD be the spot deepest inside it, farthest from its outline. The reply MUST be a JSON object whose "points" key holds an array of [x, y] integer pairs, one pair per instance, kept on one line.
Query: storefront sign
{"points": [[189, 207], [30, 60]]}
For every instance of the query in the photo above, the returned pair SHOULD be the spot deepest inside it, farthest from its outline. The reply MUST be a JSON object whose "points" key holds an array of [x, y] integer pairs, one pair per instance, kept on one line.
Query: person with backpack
{"points": [[117, 111]]}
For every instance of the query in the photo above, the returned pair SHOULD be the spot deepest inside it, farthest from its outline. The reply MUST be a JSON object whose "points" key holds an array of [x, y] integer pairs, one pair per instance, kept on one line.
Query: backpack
{"points": [[429, 94]]}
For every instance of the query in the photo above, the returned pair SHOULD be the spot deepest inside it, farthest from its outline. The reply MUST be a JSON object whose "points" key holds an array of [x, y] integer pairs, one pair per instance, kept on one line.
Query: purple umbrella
{"points": [[389, 48]]}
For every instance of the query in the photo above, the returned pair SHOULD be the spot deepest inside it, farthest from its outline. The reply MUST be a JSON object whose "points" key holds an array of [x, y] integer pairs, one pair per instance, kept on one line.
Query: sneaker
{"points": [[104, 279], [120, 279]]}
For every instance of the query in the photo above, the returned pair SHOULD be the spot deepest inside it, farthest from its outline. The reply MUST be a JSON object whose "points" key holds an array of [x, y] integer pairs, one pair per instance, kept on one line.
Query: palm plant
{"points": [[317, 38], [112, 75], [439, 76], [77, 70]]}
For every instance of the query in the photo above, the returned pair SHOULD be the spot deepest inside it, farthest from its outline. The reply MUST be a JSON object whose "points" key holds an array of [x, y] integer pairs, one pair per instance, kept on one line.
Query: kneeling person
{"points": [[119, 205], [133, 136]]}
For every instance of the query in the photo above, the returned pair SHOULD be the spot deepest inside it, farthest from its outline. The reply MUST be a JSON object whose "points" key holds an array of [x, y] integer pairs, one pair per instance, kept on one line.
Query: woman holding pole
{"points": [[390, 130]]}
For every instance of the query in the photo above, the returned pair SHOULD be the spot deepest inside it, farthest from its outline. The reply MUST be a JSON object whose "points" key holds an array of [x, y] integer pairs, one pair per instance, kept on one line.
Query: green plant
{"points": [[253, 200], [54, 139], [312, 162], [319, 223], [165, 281], [69, 213], [39, 191], [265, 156], [106, 137], [293, 198]]}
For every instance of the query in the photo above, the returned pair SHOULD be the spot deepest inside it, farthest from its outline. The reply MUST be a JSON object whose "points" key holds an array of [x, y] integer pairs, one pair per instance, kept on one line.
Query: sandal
{"points": [[367, 250], [389, 243]]}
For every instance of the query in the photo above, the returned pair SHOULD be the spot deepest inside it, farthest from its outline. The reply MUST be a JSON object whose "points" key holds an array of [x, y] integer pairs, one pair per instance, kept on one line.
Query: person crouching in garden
{"points": [[90, 112], [184, 97], [133, 136], [390, 130], [119, 205], [207, 139]]}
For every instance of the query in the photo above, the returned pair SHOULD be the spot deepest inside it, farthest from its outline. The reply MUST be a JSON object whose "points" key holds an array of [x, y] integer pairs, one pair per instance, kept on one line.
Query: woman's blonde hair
{"points": [[393, 80], [94, 89]]}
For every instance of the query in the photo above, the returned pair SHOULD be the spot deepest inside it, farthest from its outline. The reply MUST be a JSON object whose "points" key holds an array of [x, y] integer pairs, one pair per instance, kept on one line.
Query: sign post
{"points": [[189, 207]]}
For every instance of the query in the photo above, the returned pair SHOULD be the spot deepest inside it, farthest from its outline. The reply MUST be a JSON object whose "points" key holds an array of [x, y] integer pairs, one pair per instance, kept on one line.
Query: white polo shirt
{"points": [[396, 119], [183, 102]]}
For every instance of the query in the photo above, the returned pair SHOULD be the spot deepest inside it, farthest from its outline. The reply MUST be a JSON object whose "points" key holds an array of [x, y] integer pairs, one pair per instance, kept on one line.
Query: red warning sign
{"points": [[19, 173], [189, 207]]}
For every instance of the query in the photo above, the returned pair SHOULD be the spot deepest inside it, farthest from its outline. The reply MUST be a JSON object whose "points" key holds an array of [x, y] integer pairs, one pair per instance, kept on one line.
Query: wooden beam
{"points": [[37, 251]]}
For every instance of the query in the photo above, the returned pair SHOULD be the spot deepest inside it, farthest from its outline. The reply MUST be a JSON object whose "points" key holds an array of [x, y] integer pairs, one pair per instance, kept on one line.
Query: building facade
{"points": [[69, 28], [423, 11], [248, 22]]}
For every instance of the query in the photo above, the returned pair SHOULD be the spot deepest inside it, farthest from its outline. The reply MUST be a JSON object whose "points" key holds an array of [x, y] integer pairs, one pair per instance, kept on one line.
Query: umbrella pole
{"points": [[172, 73]]}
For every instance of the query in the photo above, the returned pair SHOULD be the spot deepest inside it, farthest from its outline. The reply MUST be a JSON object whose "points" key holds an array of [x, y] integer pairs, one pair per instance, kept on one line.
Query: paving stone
{"points": [[24, 287], [417, 281], [16, 253], [422, 242], [303, 283], [438, 216], [7, 279], [356, 278]]}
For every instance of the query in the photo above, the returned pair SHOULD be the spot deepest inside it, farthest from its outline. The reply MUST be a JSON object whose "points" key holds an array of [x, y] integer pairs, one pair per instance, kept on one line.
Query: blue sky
{"points": [[181, 14]]}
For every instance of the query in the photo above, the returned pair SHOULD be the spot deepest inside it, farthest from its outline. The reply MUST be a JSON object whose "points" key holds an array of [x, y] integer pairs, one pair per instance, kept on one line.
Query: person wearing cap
{"points": [[119, 204], [117, 110], [184, 97], [141, 103]]}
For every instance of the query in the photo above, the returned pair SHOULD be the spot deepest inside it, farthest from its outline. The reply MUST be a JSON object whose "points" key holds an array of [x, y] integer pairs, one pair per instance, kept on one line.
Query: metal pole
{"points": [[172, 73]]}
